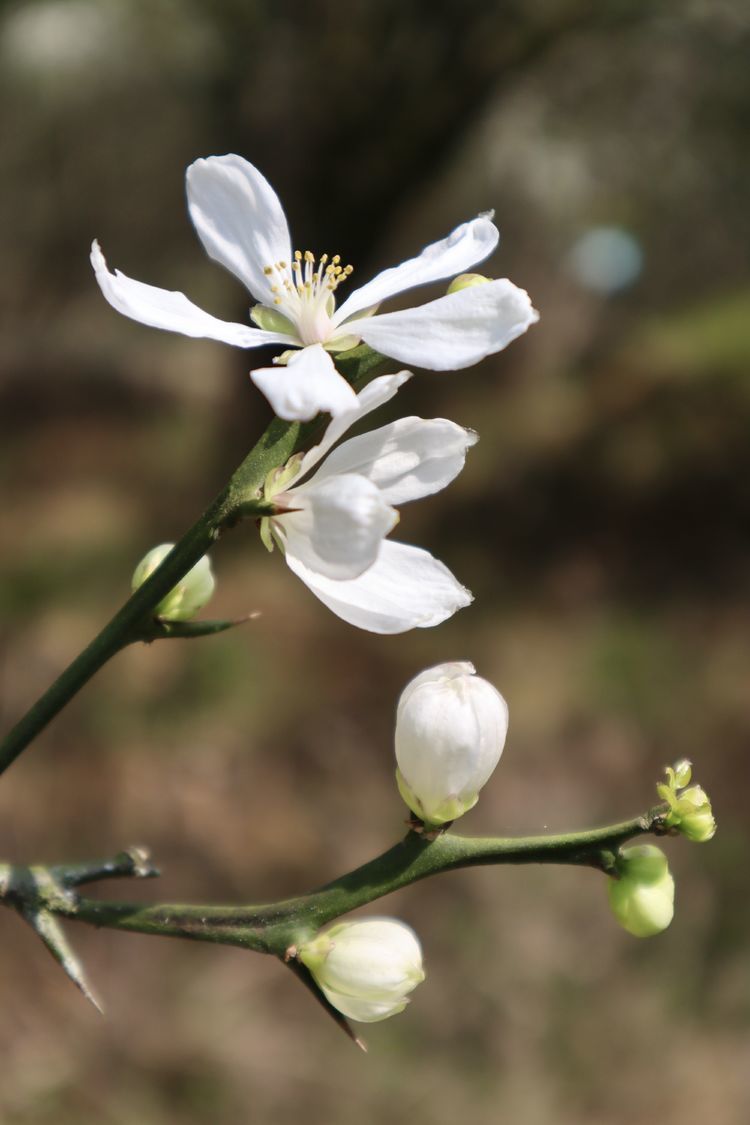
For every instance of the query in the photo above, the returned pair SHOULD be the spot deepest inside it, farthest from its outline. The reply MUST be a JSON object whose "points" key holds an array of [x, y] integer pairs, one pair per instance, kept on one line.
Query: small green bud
{"points": [[466, 280], [683, 771], [188, 596], [690, 809], [642, 892], [696, 818]]}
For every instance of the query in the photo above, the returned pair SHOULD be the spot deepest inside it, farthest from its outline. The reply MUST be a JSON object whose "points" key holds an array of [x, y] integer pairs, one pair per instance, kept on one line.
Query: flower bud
{"points": [[450, 732], [690, 809], [188, 596], [696, 818], [642, 894], [365, 969], [465, 281]]}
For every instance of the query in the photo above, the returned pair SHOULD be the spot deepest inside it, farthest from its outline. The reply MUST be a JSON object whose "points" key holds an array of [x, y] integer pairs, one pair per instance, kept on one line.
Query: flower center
{"points": [[303, 290]]}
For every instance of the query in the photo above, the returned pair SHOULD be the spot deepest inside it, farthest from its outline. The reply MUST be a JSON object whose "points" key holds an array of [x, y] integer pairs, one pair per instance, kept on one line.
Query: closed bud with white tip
{"points": [[366, 969], [450, 732]]}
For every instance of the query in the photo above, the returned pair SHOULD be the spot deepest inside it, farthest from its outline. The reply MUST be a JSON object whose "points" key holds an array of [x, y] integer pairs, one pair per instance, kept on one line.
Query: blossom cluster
{"points": [[330, 510], [335, 507]]}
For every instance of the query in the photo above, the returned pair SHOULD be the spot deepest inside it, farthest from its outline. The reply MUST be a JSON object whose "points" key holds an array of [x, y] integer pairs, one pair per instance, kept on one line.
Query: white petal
{"points": [[362, 1009], [164, 308], [453, 331], [239, 219], [467, 245], [375, 394], [405, 589], [406, 459], [339, 527], [306, 386]]}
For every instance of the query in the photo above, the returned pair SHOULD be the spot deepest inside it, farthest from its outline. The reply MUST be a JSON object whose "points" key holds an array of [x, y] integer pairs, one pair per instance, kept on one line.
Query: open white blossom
{"points": [[241, 223], [331, 523]]}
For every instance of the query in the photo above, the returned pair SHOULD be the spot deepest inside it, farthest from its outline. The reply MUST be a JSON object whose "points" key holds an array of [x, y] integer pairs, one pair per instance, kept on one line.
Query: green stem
{"points": [[278, 443], [274, 927]]}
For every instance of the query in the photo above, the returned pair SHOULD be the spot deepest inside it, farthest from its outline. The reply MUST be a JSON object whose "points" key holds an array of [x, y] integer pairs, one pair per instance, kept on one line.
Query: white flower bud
{"points": [[188, 596], [642, 898], [365, 969], [450, 732]]}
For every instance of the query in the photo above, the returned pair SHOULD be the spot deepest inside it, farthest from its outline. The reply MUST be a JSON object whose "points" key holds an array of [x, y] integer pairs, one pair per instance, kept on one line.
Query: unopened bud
{"points": [[366, 969], [190, 594], [696, 818], [690, 809], [450, 732], [642, 894], [466, 280]]}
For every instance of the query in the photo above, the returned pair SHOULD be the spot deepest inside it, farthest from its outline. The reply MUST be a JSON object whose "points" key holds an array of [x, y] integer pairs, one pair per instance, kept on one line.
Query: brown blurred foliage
{"points": [[601, 522]]}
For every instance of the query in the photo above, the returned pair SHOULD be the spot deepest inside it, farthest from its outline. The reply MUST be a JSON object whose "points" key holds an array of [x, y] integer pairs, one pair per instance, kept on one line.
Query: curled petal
{"points": [[308, 385], [406, 588], [407, 459], [453, 331], [467, 245], [239, 219], [375, 394], [172, 311], [338, 525]]}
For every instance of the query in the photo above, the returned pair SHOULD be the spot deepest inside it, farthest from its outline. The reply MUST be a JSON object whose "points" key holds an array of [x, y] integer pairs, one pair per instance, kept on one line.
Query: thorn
{"points": [[303, 973], [44, 923], [256, 613]]}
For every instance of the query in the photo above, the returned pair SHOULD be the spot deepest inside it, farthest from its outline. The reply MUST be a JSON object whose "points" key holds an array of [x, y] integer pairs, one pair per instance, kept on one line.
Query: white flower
{"points": [[331, 524], [190, 594], [366, 969], [450, 732], [242, 225], [642, 894]]}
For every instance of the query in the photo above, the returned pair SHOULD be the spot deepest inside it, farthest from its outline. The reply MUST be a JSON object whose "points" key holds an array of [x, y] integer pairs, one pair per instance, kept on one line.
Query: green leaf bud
{"points": [[690, 809]]}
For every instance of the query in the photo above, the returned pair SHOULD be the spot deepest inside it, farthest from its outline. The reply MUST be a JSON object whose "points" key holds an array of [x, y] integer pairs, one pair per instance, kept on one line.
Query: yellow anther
{"points": [[267, 270], [298, 254]]}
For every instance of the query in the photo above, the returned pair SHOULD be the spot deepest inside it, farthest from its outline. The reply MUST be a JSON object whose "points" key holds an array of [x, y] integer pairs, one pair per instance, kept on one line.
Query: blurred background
{"points": [[602, 523]]}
